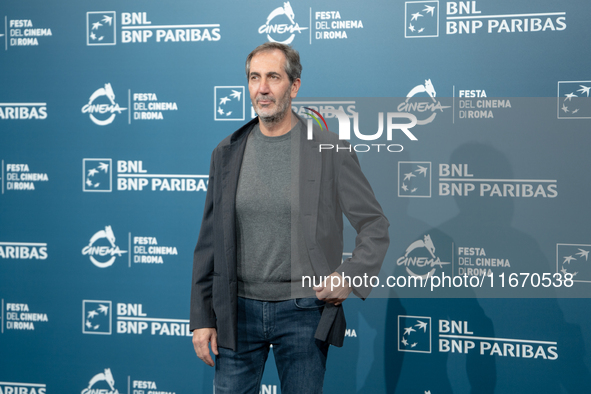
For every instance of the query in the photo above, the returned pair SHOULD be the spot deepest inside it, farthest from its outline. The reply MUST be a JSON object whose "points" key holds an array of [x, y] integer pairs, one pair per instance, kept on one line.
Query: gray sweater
{"points": [[265, 210]]}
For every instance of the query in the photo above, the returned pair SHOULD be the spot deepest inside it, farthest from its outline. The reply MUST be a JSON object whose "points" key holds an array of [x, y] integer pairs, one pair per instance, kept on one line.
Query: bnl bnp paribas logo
{"points": [[414, 180], [25, 388], [136, 27], [101, 107], [101, 249], [457, 336], [281, 25], [23, 111], [573, 100], [421, 20], [132, 175], [97, 318]]}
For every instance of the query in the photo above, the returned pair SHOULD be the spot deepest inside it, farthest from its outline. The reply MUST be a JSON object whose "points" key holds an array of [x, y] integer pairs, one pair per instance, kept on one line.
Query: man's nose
{"points": [[264, 86]]}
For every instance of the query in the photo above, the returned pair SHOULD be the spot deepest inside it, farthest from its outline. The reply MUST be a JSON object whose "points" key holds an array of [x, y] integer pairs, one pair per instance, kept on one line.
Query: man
{"points": [[273, 215]]}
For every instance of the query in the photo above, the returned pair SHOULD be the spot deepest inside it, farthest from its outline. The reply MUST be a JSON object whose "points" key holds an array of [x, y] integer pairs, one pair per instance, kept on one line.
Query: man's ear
{"points": [[295, 87]]}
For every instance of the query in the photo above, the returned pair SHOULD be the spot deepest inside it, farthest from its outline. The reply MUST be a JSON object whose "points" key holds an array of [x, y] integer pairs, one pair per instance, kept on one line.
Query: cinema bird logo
{"points": [[104, 109], [97, 380], [94, 248], [280, 30], [415, 103], [416, 257]]}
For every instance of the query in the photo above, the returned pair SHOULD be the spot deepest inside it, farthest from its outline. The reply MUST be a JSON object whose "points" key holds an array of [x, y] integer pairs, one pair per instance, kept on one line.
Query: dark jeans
{"points": [[287, 325]]}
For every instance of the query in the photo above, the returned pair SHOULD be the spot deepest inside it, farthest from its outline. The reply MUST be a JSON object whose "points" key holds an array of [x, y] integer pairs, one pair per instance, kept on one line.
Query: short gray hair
{"points": [[293, 67]]}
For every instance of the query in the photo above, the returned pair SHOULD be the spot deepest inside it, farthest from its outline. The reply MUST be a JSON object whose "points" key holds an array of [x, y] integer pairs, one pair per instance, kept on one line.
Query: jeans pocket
{"points": [[308, 303]]}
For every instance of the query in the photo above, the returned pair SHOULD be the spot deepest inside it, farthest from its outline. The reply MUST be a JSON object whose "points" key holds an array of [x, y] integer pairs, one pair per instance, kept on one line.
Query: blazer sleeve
{"points": [[365, 214], [202, 314]]}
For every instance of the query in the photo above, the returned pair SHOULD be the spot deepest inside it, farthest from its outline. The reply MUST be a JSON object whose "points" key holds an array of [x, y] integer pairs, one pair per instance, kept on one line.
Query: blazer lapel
{"points": [[310, 178], [232, 156], [332, 325]]}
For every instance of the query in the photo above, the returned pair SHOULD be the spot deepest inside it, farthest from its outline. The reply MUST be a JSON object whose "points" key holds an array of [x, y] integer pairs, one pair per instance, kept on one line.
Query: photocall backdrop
{"points": [[470, 119]]}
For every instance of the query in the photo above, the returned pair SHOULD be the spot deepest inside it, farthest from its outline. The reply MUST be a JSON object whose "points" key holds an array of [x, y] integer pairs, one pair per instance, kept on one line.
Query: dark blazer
{"points": [[331, 183]]}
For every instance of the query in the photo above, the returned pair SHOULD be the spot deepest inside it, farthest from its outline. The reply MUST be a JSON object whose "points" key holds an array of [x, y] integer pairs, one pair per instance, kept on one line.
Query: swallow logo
{"points": [[414, 334], [102, 251], [573, 100], [96, 317], [96, 175], [414, 179], [100, 28], [574, 259], [228, 103], [421, 19]]}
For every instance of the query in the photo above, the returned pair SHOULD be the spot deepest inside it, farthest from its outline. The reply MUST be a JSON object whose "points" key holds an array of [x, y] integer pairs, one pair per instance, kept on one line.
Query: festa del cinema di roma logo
{"points": [[101, 254], [101, 107]]}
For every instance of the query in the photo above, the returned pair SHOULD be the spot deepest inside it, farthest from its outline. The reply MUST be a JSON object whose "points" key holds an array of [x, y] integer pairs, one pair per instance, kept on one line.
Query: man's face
{"points": [[269, 86]]}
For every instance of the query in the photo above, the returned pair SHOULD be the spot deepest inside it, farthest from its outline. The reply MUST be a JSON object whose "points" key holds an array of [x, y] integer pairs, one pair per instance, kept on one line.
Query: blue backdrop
{"points": [[109, 112]]}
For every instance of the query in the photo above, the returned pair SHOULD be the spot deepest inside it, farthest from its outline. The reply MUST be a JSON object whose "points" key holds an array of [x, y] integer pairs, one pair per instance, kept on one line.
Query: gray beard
{"points": [[273, 119], [280, 115]]}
